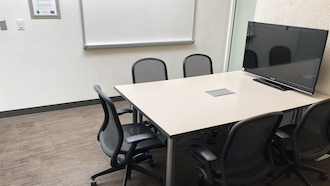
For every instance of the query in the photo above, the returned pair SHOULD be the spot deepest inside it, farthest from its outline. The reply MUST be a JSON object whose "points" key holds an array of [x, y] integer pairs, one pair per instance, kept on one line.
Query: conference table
{"points": [[185, 105]]}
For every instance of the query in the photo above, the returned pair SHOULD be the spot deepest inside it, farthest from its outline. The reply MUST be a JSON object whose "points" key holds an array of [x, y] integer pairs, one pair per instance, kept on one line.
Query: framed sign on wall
{"points": [[44, 9]]}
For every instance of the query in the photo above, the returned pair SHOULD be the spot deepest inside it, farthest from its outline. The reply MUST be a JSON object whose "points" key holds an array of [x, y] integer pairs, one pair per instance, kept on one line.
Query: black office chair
{"points": [[196, 65], [131, 141], [279, 55], [245, 157], [308, 140], [148, 70]]}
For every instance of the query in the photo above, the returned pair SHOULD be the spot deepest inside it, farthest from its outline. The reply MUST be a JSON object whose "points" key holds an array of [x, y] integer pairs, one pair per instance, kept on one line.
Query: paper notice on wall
{"points": [[44, 7]]}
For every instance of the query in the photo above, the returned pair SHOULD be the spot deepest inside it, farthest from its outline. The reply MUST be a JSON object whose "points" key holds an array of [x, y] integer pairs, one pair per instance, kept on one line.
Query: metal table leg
{"points": [[134, 114], [170, 163]]}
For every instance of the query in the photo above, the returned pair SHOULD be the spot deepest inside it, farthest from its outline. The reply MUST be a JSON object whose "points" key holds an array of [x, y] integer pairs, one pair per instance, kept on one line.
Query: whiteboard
{"points": [[131, 23]]}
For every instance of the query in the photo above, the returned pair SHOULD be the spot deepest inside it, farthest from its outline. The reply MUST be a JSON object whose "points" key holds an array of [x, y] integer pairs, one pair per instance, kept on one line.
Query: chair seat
{"points": [[139, 128]]}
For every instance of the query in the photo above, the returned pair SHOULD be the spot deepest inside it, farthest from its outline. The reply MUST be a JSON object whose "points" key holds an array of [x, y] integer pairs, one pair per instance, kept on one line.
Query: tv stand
{"points": [[272, 84]]}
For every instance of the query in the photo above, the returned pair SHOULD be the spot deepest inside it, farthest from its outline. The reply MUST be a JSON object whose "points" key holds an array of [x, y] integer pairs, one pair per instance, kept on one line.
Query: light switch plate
{"points": [[20, 24]]}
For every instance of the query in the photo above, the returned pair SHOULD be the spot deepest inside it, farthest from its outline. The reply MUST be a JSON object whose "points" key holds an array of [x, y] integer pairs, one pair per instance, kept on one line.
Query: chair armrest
{"points": [[140, 137], [123, 111], [281, 134], [204, 152]]}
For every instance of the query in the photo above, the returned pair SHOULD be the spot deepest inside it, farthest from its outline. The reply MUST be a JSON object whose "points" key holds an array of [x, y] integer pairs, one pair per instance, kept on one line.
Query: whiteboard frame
{"points": [[136, 44]]}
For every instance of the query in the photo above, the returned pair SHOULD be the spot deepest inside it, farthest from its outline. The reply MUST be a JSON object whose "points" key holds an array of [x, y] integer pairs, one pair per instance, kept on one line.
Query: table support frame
{"points": [[170, 162]]}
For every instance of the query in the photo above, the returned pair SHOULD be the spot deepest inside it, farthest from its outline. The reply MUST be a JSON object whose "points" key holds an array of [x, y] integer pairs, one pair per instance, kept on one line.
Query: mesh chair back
{"points": [[110, 134], [149, 69], [196, 65], [311, 136], [279, 55], [246, 154]]}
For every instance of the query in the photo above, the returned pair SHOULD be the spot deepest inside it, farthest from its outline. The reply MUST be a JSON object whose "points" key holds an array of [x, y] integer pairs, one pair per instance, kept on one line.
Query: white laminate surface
{"points": [[182, 105]]}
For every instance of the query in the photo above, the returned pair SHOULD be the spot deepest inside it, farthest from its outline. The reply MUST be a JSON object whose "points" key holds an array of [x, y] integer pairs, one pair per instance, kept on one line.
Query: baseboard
{"points": [[33, 110]]}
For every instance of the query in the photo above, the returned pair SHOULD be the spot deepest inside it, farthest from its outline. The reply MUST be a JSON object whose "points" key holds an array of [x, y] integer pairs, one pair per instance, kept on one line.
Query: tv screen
{"points": [[287, 55]]}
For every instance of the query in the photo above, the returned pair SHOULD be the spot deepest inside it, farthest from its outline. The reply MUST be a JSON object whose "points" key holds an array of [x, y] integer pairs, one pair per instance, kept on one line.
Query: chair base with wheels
{"points": [[309, 139], [288, 163], [128, 170], [290, 167], [143, 157]]}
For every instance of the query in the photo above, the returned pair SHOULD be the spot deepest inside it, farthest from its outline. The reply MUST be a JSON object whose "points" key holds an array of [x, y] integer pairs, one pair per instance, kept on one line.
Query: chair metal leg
{"points": [[110, 170], [301, 176], [311, 169], [127, 174], [147, 172], [278, 174]]}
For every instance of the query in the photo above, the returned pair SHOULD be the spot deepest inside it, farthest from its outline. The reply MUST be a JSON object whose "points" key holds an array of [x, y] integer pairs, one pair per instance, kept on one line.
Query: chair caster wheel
{"points": [[288, 175], [161, 183], [150, 162], [323, 177], [200, 179], [93, 183], [268, 184]]}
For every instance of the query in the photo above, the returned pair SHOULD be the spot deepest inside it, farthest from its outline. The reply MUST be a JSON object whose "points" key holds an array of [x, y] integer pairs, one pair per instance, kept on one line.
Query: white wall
{"points": [[303, 13], [45, 64]]}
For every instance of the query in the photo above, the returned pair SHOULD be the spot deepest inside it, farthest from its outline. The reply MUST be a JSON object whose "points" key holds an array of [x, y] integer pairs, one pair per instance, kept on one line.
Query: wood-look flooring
{"points": [[60, 148]]}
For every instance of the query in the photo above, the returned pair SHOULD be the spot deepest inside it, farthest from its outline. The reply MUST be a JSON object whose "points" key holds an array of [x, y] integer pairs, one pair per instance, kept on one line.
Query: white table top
{"points": [[182, 105]]}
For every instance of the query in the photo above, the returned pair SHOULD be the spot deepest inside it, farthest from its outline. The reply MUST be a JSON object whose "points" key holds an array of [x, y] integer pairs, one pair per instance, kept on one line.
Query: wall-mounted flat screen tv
{"points": [[285, 57]]}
